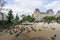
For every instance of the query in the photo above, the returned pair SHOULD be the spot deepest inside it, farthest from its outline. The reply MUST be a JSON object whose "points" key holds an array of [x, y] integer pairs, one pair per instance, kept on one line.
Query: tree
{"points": [[10, 17], [57, 18], [23, 16], [49, 18], [30, 18], [46, 18], [16, 20], [17, 17], [33, 18]]}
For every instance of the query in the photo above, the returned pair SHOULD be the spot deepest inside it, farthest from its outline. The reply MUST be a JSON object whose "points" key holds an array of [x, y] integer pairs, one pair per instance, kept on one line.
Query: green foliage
{"points": [[57, 18], [16, 20], [46, 17], [49, 18], [3, 23], [17, 17], [10, 16], [30, 18]]}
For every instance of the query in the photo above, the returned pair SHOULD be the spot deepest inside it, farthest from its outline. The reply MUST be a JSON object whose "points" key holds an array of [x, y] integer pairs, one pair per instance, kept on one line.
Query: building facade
{"points": [[39, 15], [58, 14], [2, 16]]}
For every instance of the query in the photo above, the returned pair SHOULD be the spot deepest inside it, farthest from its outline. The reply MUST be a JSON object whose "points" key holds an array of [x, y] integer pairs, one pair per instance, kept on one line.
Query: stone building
{"points": [[58, 13], [39, 15], [2, 16]]}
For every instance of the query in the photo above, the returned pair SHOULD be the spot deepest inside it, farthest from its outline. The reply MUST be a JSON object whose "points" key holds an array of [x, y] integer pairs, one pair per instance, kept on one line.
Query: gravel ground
{"points": [[37, 31]]}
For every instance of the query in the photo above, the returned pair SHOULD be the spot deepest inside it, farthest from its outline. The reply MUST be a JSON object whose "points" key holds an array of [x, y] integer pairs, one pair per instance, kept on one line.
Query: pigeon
{"points": [[52, 38], [55, 35], [17, 35]]}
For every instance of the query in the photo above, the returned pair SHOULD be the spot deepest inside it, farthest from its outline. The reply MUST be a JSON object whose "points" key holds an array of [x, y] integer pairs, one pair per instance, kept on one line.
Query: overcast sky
{"points": [[28, 6]]}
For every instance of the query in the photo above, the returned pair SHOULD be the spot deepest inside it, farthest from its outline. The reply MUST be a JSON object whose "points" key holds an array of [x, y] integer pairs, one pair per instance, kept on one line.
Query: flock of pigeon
{"points": [[19, 31]]}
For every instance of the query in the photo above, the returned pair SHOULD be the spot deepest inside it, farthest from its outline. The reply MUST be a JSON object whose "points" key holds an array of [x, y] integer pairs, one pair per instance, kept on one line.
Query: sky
{"points": [[28, 6]]}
